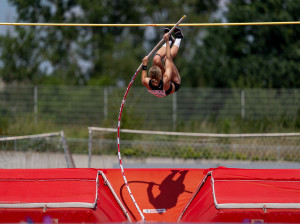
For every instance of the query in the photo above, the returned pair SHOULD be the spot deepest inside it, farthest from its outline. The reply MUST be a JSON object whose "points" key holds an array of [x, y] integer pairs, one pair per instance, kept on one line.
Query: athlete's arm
{"points": [[144, 78], [168, 64]]}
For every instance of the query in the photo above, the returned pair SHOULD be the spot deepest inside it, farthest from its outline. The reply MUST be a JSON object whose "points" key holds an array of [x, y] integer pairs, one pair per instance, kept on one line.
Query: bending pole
{"points": [[138, 25], [120, 114]]}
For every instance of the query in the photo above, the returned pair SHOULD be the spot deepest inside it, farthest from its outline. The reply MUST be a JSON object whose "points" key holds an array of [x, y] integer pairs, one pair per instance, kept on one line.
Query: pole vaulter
{"points": [[120, 115]]}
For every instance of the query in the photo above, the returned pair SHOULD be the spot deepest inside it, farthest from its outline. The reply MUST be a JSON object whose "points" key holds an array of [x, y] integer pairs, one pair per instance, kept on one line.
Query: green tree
{"points": [[251, 56], [91, 55], [48, 50], [23, 65]]}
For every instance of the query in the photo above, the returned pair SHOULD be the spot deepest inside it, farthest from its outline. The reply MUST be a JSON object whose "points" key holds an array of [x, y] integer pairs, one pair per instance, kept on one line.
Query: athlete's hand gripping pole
{"points": [[120, 115]]}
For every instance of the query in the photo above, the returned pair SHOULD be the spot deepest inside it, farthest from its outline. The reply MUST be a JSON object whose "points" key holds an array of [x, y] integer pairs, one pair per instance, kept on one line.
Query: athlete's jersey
{"points": [[158, 93], [158, 90]]}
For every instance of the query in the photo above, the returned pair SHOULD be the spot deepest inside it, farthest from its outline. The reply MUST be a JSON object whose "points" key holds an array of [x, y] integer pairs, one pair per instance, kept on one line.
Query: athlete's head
{"points": [[155, 75]]}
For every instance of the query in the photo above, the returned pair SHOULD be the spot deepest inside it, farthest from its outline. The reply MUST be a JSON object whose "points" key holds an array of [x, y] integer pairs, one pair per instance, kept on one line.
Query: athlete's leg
{"points": [[158, 59], [174, 50], [161, 53], [179, 37], [175, 75]]}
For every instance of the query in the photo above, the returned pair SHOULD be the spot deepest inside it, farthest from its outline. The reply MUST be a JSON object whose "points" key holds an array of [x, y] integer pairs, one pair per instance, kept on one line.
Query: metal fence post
{"points": [[174, 111], [105, 102], [243, 104], [35, 107], [68, 155]]}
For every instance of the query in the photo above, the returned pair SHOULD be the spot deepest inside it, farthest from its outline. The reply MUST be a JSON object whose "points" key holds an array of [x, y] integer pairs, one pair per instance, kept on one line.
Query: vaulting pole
{"points": [[120, 115]]}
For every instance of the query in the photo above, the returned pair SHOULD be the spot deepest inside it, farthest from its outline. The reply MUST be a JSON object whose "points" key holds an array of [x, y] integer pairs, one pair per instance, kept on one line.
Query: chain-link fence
{"points": [[99, 106], [251, 147], [48, 150]]}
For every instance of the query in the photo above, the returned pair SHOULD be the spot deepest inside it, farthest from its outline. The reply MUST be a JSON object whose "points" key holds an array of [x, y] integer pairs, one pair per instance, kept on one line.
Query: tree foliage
{"points": [[239, 56], [251, 56], [87, 55]]}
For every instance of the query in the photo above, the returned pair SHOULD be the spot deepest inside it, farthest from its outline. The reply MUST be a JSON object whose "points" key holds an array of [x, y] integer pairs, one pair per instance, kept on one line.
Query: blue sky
{"points": [[7, 14]]}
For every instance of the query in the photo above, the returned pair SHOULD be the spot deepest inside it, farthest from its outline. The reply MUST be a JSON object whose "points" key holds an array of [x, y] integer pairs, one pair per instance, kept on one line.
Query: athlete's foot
{"points": [[171, 37], [178, 33]]}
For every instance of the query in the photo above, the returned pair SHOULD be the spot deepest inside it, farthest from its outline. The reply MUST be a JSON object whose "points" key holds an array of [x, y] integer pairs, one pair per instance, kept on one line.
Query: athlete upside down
{"points": [[164, 79]]}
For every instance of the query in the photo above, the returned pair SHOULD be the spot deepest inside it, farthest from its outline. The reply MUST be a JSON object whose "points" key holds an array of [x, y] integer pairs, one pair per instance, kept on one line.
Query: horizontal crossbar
{"points": [[140, 25]]}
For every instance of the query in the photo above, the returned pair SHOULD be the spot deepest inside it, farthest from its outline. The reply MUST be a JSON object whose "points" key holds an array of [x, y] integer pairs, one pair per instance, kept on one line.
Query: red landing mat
{"points": [[160, 193]]}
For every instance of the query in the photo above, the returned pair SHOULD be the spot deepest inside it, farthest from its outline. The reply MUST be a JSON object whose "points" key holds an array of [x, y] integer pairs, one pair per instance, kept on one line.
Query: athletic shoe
{"points": [[172, 39], [178, 33]]}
